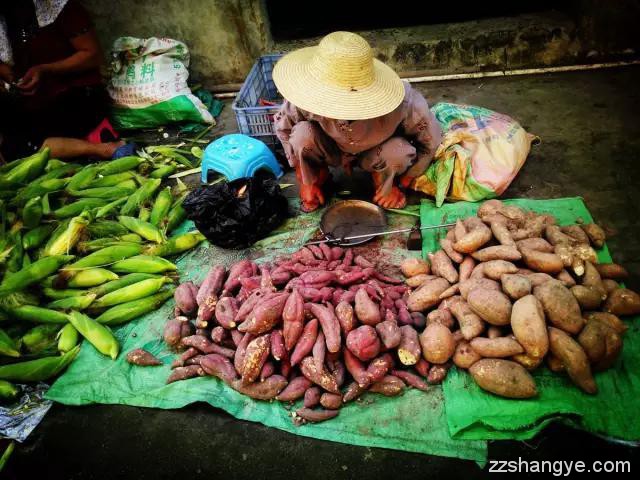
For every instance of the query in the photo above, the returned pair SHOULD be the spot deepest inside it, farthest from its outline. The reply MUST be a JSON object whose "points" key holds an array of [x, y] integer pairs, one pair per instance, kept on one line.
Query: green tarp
{"points": [[474, 414], [414, 422]]}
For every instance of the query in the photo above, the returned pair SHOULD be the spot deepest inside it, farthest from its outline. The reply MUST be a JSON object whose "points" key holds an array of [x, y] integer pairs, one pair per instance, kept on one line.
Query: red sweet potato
{"points": [[356, 368], [278, 350], [218, 334], [319, 351], [185, 299], [363, 262], [389, 333], [172, 331], [305, 342], [226, 311], [142, 358], [330, 326], [254, 358], [264, 315], [315, 416], [183, 373], [410, 379], [379, 367], [389, 386], [320, 377], [293, 319], [331, 401], [422, 367], [238, 358], [294, 390], [326, 251], [311, 395], [218, 366], [184, 356], [208, 294], [363, 342], [268, 369], [346, 317], [409, 351], [266, 390]]}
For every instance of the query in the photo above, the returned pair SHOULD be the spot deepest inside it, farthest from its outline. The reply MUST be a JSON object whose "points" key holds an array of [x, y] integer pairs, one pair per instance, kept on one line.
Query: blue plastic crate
{"points": [[253, 119]]}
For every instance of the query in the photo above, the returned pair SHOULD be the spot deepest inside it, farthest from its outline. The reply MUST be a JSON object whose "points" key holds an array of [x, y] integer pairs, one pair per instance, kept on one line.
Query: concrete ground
{"points": [[590, 131]]}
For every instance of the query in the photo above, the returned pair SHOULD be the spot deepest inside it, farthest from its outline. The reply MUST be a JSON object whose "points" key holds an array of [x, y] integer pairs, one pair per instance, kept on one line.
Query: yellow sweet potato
{"points": [[612, 271], [497, 252], [500, 347], [554, 363], [477, 235], [529, 327], [466, 267], [527, 361], [575, 232], [504, 378], [610, 285], [516, 286], [411, 267], [541, 261], [418, 280], [589, 297], [427, 296], [437, 343], [535, 243], [595, 233], [494, 269], [471, 325], [492, 306], [608, 319], [623, 302], [574, 359], [442, 266], [465, 355], [560, 306]]}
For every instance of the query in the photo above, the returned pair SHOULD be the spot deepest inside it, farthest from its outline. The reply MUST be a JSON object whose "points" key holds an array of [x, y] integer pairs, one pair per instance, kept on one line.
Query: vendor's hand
{"points": [[6, 72], [30, 81], [311, 196]]}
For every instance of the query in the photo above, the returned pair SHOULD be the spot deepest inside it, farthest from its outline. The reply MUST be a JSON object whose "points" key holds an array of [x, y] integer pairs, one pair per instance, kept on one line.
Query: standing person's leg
{"points": [[313, 152], [386, 161]]}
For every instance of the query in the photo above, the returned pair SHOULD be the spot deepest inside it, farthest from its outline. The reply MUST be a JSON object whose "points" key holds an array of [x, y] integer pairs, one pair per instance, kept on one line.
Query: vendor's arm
{"points": [[6, 72], [421, 126], [284, 120]]}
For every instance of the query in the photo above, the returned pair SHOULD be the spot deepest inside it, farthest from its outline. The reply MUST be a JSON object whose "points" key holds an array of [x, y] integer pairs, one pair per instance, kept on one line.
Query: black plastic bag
{"points": [[239, 213]]}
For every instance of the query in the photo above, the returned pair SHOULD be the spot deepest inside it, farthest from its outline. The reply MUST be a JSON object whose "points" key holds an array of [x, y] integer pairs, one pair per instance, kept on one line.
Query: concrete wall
{"points": [[224, 36]]}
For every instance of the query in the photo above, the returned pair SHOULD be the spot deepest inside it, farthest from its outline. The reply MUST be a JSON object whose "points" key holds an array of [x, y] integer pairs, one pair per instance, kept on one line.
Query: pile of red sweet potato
{"points": [[321, 324]]}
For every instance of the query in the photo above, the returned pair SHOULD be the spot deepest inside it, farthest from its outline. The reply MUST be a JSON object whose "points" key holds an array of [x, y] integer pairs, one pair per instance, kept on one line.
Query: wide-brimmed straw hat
{"points": [[339, 79]]}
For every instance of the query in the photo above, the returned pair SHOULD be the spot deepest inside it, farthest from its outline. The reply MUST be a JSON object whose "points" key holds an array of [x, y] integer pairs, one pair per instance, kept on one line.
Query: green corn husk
{"points": [[26, 260], [122, 282], [83, 178], [67, 338], [76, 208], [41, 338], [109, 207], [137, 199], [38, 370], [7, 345], [106, 228], [65, 237], [54, 164], [132, 292], [91, 278], [16, 257], [32, 213], [142, 228], [128, 311], [34, 273], [163, 171], [98, 335], [107, 193], [46, 206], [172, 153], [161, 207], [143, 264], [99, 244], [39, 189], [56, 294], [8, 391], [81, 302], [18, 299], [176, 245], [111, 180], [105, 256], [36, 237], [35, 314], [144, 214], [121, 165], [176, 215], [26, 169]]}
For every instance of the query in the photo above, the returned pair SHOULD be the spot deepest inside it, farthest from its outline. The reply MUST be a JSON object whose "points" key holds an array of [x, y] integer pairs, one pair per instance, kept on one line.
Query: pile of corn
{"points": [[82, 248]]}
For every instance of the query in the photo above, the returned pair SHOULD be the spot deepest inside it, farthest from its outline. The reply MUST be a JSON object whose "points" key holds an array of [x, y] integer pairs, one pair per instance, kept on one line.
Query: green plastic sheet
{"points": [[474, 414], [414, 422]]}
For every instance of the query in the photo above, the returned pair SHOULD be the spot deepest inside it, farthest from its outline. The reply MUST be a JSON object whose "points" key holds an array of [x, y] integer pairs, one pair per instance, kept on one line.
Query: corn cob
{"points": [[26, 169], [67, 338], [34, 273], [161, 207], [144, 229], [66, 236], [14, 263], [32, 213], [7, 345], [76, 208], [175, 245], [128, 311], [106, 228], [176, 215], [105, 210], [122, 282], [140, 196], [46, 207], [64, 293], [80, 302], [143, 264], [120, 165], [53, 164], [163, 171], [98, 335], [65, 170], [90, 278], [111, 180], [144, 214], [39, 189], [107, 193], [171, 153], [40, 338], [32, 313], [100, 243], [83, 178], [26, 260], [132, 292], [105, 256], [40, 369], [34, 238]]}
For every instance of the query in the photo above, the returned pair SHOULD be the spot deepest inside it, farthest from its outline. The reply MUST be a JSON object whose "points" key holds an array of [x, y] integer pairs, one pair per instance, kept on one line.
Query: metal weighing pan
{"points": [[352, 218]]}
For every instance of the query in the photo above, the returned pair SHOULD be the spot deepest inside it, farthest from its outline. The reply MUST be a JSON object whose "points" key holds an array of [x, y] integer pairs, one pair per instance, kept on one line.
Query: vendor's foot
{"points": [[311, 197], [394, 199]]}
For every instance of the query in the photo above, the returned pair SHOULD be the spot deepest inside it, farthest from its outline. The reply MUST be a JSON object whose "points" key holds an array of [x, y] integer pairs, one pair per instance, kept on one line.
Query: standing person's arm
{"points": [[421, 126]]}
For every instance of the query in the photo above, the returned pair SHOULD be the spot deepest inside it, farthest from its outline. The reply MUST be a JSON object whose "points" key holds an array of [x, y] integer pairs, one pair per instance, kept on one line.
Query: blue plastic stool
{"points": [[237, 156]]}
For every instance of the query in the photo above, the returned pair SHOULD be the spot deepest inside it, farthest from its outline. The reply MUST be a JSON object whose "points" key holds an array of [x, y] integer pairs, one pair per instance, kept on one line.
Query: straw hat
{"points": [[339, 79]]}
